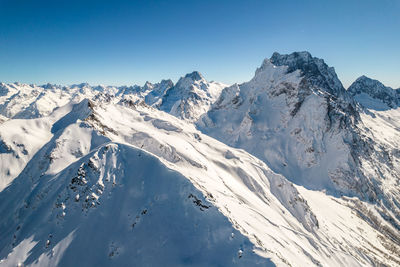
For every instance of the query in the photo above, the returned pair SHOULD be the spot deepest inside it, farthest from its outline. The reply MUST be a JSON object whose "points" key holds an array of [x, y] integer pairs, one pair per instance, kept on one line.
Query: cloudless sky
{"points": [[119, 42]]}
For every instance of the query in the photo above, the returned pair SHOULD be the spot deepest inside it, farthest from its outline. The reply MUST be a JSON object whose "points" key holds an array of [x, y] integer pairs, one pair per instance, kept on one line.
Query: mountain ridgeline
{"points": [[287, 169]]}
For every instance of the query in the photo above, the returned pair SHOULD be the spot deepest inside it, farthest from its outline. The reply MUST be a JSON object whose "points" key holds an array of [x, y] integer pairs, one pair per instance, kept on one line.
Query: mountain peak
{"points": [[195, 76], [81, 85], [298, 60], [49, 86], [286, 59], [364, 83], [314, 69], [374, 89], [363, 77], [167, 83], [191, 96], [148, 85], [366, 79], [186, 82]]}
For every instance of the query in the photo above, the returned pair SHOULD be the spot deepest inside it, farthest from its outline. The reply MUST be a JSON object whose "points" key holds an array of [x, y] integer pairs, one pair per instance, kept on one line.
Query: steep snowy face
{"points": [[70, 186], [117, 205], [297, 118], [21, 139], [97, 175], [293, 115], [119, 183], [191, 97], [373, 94]]}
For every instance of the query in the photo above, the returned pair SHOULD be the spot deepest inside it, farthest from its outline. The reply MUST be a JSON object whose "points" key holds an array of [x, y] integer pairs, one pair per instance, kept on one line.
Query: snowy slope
{"points": [[191, 97], [65, 205], [180, 195], [291, 116], [102, 175], [276, 196], [117, 206], [21, 139], [296, 116]]}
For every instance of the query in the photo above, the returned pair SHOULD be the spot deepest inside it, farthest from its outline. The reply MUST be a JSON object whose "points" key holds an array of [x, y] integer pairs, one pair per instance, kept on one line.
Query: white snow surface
{"points": [[100, 176], [257, 116]]}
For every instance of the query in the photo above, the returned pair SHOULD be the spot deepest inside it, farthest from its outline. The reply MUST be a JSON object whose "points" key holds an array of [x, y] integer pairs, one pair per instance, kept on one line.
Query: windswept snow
{"points": [[298, 173], [131, 208]]}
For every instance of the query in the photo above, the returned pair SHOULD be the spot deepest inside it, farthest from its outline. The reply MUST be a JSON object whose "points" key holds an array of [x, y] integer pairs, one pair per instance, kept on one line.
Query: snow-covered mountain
{"points": [[98, 175], [157, 91], [23, 101], [191, 97], [373, 94], [85, 200], [296, 116]]}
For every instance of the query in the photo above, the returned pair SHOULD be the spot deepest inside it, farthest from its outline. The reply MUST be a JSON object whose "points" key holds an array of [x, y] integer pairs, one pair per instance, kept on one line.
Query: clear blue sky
{"points": [[128, 42]]}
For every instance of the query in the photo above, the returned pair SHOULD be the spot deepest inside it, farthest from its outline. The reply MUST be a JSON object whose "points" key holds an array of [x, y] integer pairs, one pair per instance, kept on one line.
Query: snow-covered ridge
{"points": [[188, 99], [289, 105], [296, 116], [303, 175], [136, 179]]}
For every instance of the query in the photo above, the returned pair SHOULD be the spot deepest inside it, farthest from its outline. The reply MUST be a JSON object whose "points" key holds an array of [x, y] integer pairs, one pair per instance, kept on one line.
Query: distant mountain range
{"points": [[287, 169]]}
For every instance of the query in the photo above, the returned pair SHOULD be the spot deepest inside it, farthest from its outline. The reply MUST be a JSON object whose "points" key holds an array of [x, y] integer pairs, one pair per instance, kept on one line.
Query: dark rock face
{"points": [[195, 76], [315, 70], [320, 78]]}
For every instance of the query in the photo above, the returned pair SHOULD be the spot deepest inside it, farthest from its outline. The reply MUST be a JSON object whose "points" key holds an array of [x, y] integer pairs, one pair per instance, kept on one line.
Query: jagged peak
{"points": [[80, 85], [293, 57], [186, 82], [317, 72], [297, 60], [163, 84], [195, 76], [365, 83], [376, 90], [363, 77], [167, 82], [148, 85], [48, 86], [370, 81]]}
